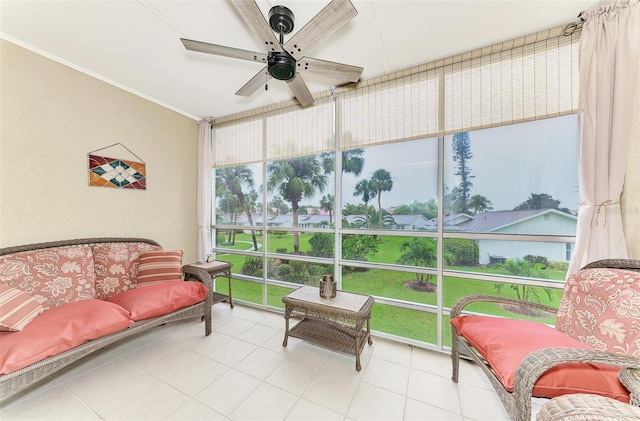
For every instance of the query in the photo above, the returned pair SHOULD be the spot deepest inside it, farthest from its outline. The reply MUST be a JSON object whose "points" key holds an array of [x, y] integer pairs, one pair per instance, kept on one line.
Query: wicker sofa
{"points": [[60, 301], [596, 333]]}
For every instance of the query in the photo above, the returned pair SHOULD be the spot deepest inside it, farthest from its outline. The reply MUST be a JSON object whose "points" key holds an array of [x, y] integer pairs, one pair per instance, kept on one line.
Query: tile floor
{"points": [[242, 372]]}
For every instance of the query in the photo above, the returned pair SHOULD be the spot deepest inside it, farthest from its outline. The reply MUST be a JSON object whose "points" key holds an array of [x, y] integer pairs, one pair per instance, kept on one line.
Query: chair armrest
{"points": [[627, 264], [630, 378], [459, 305], [538, 362]]}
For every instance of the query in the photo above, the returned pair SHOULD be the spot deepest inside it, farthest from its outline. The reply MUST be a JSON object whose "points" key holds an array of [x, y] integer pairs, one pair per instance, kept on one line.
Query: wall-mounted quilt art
{"points": [[118, 173]]}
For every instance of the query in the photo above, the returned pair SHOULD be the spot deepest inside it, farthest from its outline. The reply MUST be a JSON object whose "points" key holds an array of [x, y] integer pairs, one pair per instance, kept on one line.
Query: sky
{"points": [[509, 164]]}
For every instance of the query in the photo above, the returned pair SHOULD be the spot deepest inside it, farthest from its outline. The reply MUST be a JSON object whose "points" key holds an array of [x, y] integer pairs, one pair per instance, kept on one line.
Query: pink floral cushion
{"points": [[54, 276], [159, 299], [72, 324], [601, 308], [117, 266]]}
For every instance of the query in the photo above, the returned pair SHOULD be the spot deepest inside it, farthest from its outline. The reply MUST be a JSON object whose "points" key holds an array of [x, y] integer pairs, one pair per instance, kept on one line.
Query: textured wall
{"points": [[631, 194], [51, 117]]}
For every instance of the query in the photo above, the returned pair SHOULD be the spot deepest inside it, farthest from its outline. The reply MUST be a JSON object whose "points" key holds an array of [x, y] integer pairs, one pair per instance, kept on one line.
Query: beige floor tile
{"points": [[387, 375], [266, 402], [233, 352], [293, 376], [260, 363], [431, 361], [392, 351], [305, 410], [259, 334], [374, 403], [333, 388], [420, 411], [473, 375], [154, 405], [111, 386], [53, 404], [195, 411], [228, 391], [433, 390], [234, 327], [481, 404]]}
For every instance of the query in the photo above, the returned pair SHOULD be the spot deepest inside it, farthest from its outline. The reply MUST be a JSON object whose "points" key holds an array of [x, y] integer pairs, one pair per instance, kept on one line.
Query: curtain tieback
{"points": [[604, 204]]}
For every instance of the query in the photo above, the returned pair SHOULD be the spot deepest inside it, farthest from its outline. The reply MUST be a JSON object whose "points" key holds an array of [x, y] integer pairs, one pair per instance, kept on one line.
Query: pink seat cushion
{"points": [[504, 343], [60, 329], [159, 299]]}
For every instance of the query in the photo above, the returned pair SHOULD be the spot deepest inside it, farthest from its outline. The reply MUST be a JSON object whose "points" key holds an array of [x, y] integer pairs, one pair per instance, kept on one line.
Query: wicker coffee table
{"points": [[336, 323]]}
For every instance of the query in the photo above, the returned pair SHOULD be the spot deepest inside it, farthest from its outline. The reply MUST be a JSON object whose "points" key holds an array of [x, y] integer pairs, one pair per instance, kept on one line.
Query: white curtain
{"points": [[609, 49], [631, 192], [204, 190]]}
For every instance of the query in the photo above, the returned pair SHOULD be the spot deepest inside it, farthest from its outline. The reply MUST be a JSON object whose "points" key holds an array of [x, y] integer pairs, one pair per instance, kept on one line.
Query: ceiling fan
{"points": [[287, 61]]}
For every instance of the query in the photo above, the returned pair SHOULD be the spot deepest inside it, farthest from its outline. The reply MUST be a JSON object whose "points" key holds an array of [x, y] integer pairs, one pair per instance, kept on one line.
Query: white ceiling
{"points": [[135, 44]]}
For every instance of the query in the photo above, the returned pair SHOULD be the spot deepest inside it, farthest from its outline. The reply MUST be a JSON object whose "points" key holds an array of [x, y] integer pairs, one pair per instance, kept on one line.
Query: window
{"points": [[450, 178]]}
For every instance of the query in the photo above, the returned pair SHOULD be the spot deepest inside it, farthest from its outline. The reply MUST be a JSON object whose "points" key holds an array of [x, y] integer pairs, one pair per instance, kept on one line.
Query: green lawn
{"points": [[384, 283]]}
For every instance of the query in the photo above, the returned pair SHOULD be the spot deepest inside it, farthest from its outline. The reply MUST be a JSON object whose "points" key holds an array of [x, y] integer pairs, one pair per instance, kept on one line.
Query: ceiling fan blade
{"points": [[221, 50], [326, 22], [341, 72], [260, 79], [300, 90], [255, 19]]}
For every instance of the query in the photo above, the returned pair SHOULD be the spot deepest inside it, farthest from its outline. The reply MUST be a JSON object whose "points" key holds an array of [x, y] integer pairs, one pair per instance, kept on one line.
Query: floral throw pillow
{"points": [[116, 266], [601, 308]]}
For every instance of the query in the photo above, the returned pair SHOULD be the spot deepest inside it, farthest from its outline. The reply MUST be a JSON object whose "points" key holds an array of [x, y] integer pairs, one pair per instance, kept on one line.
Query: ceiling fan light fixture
{"points": [[281, 65]]}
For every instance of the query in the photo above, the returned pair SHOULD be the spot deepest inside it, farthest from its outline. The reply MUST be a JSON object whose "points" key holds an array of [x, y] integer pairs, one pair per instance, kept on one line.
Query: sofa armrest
{"points": [[199, 274], [538, 362], [459, 305]]}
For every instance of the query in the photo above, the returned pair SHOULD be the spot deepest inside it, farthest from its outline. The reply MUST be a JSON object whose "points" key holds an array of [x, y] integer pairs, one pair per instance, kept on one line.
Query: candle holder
{"points": [[327, 287]]}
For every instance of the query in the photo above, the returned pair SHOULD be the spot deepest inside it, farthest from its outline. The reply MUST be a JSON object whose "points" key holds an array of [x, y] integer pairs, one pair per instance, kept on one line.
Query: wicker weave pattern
{"points": [[14, 382], [518, 403], [581, 407]]}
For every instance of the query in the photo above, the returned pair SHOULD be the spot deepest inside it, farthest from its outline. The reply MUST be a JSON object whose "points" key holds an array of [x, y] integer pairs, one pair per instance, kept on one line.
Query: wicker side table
{"points": [[213, 270], [336, 323]]}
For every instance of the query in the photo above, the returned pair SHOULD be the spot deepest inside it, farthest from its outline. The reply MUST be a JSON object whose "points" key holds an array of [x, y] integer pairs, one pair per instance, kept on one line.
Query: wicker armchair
{"points": [[591, 338]]}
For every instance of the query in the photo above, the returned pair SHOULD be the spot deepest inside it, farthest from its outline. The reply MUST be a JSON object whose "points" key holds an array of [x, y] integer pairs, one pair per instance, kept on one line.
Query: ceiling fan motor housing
{"points": [[281, 65]]}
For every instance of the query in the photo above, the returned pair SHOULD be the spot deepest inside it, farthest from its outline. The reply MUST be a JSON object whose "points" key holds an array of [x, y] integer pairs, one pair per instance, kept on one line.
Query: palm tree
{"points": [[352, 161], [295, 179], [382, 181], [326, 203], [365, 189], [232, 180]]}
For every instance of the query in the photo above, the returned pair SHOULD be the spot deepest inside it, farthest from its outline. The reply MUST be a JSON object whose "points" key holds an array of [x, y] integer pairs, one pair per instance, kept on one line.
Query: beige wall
{"points": [[51, 117]]}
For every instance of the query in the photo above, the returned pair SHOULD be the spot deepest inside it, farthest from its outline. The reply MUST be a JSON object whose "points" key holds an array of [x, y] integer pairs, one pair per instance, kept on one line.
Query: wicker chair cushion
{"points": [[54, 276], [17, 309], [74, 324], [504, 343], [159, 299], [601, 308], [117, 266], [159, 266]]}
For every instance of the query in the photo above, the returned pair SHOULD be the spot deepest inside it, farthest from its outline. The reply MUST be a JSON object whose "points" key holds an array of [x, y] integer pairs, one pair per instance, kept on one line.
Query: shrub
{"points": [[252, 266], [284, 270], [461, 252], [537, 259], [282, 250]]}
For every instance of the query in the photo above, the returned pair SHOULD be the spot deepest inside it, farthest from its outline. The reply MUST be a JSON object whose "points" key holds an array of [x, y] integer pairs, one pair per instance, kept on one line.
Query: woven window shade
{"points": [[238, 142], [294, 131], [391, 111], [512, 82], [529, 78]]}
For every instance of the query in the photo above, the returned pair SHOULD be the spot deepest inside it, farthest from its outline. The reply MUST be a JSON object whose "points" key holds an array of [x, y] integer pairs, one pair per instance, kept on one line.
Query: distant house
{"points": [[530, 221]]}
